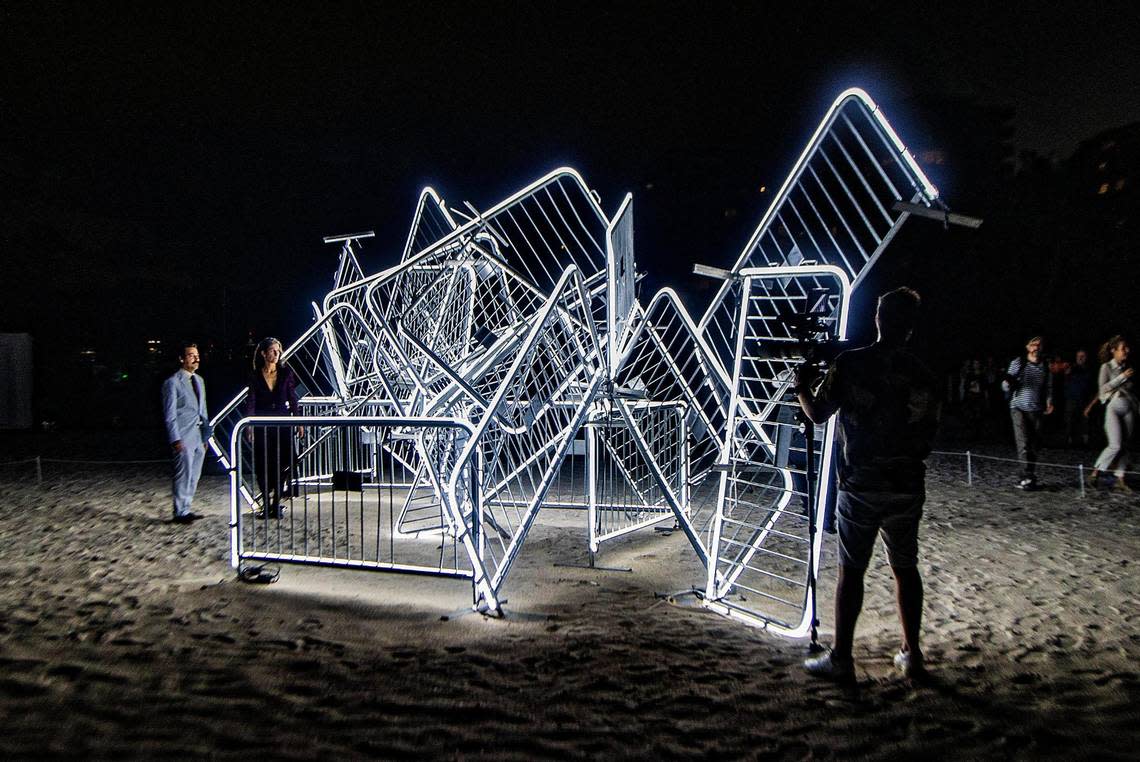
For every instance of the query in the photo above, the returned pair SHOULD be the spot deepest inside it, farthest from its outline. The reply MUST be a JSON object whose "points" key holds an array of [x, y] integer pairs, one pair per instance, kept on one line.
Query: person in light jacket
{"points": [[1118, 395], [187, 429]]}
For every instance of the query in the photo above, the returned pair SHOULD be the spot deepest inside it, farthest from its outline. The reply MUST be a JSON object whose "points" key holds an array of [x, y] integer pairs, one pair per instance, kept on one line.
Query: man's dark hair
{"points": [[898, 312], [183, 346]]}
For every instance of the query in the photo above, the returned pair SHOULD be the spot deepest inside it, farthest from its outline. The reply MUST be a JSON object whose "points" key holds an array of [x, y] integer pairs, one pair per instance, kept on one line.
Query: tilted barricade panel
{"points": [[536, 233], [624, 494], [431, 222], [544, 388], [766, 542], [666, 360], [836, 207]]}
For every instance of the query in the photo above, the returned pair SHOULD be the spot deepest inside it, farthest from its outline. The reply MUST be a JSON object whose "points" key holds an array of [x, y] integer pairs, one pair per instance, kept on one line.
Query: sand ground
{"points": [[124, 635]]}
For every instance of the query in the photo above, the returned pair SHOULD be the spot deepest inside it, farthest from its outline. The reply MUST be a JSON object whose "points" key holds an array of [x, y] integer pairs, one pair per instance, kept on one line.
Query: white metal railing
{"points": [[774, 482], [836, 206], [343, 498]]}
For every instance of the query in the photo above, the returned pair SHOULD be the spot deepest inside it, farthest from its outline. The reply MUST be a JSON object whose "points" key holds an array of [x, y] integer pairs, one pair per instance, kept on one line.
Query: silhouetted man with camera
{"points": [[886, 400]]}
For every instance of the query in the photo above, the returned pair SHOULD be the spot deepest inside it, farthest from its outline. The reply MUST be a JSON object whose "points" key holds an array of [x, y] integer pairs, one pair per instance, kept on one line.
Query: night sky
{"points": [[171, 172]]}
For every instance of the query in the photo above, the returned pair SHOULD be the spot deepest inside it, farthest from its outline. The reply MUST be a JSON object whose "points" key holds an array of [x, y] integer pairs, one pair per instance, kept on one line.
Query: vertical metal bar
{"points": [[378, 470], [683, 457], [265, 481], [334, 446], [294, 479], [1081, 478], [969, 470], [727, 490], [592, 490], [325, 456], [278, 474], [235, 514]]}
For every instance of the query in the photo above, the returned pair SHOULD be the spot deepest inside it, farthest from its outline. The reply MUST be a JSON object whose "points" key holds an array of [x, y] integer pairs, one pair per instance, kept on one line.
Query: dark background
{"points": [[169, 173]]}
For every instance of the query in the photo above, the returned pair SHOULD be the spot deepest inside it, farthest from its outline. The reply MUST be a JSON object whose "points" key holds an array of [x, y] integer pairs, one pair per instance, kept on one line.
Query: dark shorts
{"points": [[861, 516]]}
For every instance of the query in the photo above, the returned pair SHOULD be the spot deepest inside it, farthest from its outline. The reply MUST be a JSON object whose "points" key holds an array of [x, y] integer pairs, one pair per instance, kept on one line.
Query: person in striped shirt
{"points": [[1029, 385]]}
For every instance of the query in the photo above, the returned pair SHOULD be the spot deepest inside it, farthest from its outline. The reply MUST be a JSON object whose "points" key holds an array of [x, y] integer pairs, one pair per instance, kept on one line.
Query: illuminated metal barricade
{"points": [[624, 494], [666, 360], [634, 451], [528, 394], [775, 468], [467, 297], [363, 344], [356, 480], [544, 388], [844, 201]]}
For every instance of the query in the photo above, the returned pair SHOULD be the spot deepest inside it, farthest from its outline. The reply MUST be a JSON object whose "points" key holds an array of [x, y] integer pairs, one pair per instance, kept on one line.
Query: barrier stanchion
{"points": [[39, 461], [970, 455]]}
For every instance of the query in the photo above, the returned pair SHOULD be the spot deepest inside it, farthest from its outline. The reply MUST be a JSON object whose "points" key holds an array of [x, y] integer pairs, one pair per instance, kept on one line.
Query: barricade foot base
{"points": [[595, 567]]}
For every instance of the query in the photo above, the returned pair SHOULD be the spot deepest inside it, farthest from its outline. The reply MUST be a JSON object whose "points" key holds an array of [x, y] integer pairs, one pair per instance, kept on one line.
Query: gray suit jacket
{"points": [[183, 412]]}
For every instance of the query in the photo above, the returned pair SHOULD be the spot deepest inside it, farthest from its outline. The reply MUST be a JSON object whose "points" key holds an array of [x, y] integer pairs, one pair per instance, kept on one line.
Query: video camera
{"points": [[805, 344]]}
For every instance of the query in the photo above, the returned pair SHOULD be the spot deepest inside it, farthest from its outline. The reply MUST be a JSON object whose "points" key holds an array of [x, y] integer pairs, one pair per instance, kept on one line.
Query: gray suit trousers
{"points": [[187, 470]]}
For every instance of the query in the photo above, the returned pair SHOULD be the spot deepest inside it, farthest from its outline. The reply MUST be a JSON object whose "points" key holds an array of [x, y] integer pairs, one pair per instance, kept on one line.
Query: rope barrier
{"points": [[18, 462], [970, 454], [94, 462], [105, 462], [39, 461]]}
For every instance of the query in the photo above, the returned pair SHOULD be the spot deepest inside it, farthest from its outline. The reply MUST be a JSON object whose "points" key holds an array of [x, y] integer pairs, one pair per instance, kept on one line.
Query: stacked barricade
{"points": [[506, 363]]}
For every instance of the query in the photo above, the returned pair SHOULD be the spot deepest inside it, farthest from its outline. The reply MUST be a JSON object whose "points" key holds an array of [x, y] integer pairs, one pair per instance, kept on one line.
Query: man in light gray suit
{"points": [[187, 429]]}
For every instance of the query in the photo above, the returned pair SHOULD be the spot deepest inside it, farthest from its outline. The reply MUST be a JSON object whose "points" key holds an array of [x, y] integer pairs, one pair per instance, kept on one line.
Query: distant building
{"points": [[1105, 171], [16, 370]]}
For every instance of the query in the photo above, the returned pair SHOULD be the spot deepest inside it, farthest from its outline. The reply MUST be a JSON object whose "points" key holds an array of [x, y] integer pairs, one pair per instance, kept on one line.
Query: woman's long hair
{"points": [[1104, 354], [259, 353]]}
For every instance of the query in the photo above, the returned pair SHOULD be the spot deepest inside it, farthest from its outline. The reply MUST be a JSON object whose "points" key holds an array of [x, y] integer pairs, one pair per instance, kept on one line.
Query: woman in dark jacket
{"points": [[272, 391]]}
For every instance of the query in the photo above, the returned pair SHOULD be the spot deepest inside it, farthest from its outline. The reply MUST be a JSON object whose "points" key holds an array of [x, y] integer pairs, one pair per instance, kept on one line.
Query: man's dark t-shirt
{"points": [[887, 418]]}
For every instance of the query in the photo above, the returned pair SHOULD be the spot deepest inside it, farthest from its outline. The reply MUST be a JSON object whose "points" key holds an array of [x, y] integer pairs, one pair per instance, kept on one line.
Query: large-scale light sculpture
{"points": [[506, 364]]}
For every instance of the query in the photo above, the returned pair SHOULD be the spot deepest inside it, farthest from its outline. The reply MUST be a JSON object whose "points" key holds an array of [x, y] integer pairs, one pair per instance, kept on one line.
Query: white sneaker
{"points": [[912, 665], [830, 668]]}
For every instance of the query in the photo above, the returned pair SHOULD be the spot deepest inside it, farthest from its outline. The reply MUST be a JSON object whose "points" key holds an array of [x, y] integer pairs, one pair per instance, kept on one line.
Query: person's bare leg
{"points": [[908, 596], [848, 604]]}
